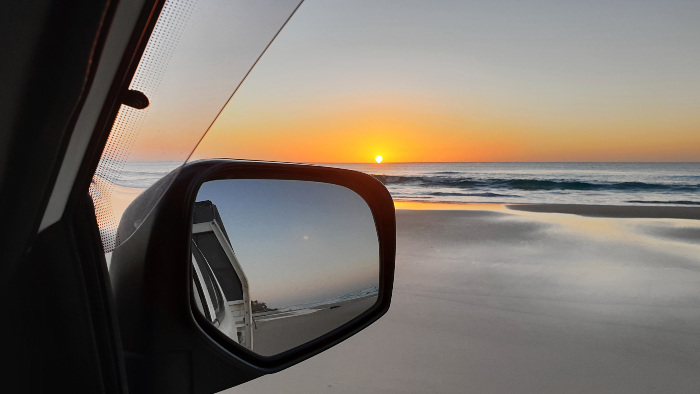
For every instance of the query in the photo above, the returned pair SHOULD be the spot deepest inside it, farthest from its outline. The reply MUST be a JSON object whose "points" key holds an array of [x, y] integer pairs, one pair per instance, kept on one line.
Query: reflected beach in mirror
{"points": [[278, 263]]}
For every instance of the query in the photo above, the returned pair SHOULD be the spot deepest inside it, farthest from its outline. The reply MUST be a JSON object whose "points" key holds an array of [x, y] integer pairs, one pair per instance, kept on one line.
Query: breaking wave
{"points": [[532, 184], [443, 194]]}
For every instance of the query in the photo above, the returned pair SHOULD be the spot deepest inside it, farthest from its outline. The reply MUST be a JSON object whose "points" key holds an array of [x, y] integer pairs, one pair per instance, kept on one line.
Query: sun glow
{"points": [[378, 159]]}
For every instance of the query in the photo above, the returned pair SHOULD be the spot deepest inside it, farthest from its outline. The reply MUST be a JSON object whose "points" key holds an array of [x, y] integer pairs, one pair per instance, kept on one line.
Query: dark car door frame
{"points": [[59, 330]]}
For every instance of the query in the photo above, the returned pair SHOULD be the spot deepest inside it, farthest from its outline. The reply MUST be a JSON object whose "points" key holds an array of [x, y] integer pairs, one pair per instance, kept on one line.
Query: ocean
{"points": [[540, 183], [514, 183]]}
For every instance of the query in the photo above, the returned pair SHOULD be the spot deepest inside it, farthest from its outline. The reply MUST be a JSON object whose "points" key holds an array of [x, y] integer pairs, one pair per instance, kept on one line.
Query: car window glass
{"points": [[198, 54]]}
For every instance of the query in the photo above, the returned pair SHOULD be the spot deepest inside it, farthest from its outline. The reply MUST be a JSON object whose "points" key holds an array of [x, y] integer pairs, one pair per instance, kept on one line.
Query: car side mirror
{"points": [[247, 268]]}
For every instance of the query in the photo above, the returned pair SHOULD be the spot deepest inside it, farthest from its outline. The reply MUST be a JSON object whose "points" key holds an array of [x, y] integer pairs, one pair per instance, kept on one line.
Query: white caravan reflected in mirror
{"points": [[220, 287]]}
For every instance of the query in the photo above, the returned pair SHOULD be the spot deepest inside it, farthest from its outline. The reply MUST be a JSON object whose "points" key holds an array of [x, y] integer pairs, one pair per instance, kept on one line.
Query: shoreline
{"points": [[601, 211]]}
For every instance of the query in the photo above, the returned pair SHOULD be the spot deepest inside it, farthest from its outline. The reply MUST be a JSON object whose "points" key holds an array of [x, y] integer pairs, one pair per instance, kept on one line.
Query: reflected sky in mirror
{"points": [[298, 242]]}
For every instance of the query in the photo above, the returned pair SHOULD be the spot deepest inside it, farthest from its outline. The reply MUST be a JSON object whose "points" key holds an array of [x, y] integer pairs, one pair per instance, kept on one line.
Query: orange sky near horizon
{"points": [[400, 130]]}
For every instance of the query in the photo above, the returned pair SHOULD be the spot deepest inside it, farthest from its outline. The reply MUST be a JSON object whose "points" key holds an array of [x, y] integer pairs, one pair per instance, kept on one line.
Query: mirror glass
{"points": [[278, 263]]}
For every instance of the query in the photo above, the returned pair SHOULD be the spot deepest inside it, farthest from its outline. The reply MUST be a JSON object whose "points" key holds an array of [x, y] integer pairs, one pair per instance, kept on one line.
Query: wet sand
{"points": [[276, 335], [614, 211], [515, 301]]}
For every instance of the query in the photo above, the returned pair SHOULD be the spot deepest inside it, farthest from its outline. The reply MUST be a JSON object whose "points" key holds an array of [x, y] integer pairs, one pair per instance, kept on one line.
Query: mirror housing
{"points": [[169, 345]]}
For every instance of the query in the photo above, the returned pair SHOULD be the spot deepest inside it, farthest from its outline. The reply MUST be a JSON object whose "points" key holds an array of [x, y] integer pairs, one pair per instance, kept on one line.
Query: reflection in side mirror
{"points": [[278, 263]]}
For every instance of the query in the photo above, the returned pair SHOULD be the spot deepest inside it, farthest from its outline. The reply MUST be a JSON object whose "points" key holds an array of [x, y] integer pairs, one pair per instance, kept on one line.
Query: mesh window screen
{"points": [[159, 50]]}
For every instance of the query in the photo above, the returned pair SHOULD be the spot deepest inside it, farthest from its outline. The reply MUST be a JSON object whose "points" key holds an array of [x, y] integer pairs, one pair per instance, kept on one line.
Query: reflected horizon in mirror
{"points": [[278, 263]]}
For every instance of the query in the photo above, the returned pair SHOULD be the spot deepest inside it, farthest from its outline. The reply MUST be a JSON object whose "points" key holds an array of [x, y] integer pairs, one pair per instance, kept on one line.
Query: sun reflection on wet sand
{"points": [[443, 206], [634, 232]]}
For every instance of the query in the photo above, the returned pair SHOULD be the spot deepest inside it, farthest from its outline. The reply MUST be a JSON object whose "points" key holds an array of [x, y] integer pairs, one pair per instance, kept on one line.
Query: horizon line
{"points": [[411, 162], [485, 162]]}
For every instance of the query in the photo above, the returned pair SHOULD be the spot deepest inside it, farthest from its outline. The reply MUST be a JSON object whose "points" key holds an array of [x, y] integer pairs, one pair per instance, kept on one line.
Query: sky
{"points": [[345, 81], [472, 81]]}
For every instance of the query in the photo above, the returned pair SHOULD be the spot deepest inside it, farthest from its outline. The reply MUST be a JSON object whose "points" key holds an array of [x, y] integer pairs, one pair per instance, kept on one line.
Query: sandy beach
{"points": [[275, 333], [530, 300]]}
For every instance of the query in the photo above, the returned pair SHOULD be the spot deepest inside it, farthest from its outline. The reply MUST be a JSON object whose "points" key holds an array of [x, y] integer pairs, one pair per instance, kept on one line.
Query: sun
{"points": [[378, 159]]}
